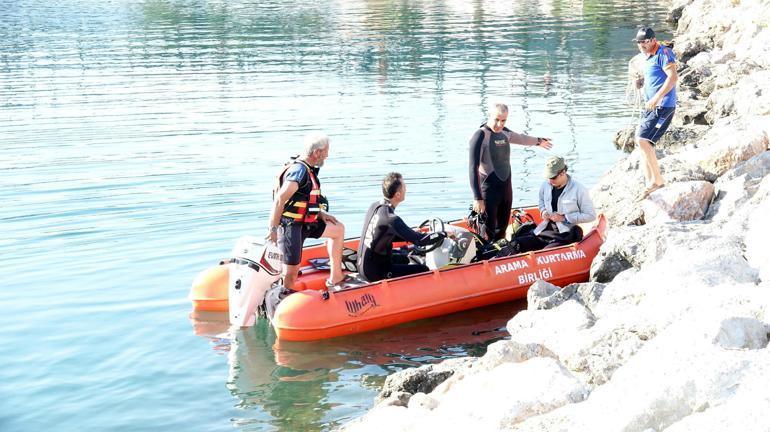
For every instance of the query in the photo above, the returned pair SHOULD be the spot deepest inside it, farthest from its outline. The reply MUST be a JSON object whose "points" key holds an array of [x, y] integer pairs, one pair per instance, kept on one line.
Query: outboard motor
{"points": [[460, 250], [253, 269]]}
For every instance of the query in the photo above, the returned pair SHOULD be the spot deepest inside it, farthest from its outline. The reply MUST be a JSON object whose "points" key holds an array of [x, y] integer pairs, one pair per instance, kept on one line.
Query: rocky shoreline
{"points": [[671, 333]]}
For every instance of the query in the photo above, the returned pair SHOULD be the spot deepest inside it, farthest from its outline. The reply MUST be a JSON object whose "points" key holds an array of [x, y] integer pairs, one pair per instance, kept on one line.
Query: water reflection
{"points": [[141, 137], [318, 385]]}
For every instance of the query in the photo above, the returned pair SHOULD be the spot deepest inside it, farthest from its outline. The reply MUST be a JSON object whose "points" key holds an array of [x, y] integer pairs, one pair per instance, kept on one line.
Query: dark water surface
{"points": [[140, 139]]}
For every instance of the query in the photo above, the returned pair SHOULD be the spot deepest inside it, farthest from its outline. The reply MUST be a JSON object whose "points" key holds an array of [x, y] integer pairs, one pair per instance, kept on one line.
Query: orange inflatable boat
{"points": [[311, 314]]}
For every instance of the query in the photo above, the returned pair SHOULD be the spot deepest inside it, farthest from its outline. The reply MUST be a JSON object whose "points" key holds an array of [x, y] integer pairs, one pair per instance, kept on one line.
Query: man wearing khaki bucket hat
{"points": [[564, 203]]}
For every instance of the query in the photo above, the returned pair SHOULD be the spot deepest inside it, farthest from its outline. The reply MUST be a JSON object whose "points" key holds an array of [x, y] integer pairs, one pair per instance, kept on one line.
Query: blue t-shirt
{"points": [[296, 173], [654, 76]]}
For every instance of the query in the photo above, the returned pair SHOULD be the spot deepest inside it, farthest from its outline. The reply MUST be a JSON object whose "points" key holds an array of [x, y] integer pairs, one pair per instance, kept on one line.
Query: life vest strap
{"points": [[295, 216]]}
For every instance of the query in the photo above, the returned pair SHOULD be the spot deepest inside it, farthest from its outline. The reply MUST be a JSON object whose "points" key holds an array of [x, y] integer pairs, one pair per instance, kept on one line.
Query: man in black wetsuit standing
{"points": [[490, 169], [382, 227]]}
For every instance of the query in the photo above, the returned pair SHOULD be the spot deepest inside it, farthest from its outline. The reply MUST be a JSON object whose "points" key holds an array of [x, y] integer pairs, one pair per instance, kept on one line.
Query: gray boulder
{"points": [[678, 202], [616, 192], [676, 9], [729, 142], [695, 71], [544, 295], [737, 186], [625, 139], [637, 246], [608, 263], [749, 95], [693, 112], [401, 385]]}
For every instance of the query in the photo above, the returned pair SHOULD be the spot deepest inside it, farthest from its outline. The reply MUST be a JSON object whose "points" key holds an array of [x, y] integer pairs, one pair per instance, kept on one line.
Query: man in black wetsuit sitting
{"points": [[382, 227]]}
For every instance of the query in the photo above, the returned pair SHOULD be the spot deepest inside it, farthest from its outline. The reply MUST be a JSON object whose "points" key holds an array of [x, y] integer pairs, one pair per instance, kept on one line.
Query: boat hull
{"points": [[307, 316]]}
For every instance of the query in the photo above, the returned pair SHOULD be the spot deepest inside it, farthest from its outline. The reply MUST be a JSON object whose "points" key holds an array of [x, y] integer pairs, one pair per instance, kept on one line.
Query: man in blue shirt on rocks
{"points": [[660, 78]]}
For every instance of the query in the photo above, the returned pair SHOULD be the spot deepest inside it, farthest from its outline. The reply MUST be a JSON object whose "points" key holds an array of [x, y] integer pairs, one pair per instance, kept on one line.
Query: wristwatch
{"points": [[274, 229], [539, 140]]}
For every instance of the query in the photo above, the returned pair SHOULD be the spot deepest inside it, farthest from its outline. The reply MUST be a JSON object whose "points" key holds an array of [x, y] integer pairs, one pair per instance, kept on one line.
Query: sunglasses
{"points": [[643, 41]]}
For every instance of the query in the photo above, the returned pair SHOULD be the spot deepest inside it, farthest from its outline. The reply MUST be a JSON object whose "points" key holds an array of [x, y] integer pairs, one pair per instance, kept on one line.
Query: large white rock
{"points": [[555, 329], [698, 28], [752, 94], [395, 418], [757, 234], [704, 262], [422, 401], [741, 333], [635, 246], [604, 348], [677, 374], [740, 90], [480, 402], [507, 351], [620, 185], [678, 202], [695, 271], [748, 36], [736, 414], [543, 295], [728, 143], [736, 187], [534, 387]]}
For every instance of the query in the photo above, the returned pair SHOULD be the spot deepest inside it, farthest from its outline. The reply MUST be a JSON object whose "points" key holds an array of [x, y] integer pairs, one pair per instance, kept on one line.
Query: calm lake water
{"points": [[140, 140]]}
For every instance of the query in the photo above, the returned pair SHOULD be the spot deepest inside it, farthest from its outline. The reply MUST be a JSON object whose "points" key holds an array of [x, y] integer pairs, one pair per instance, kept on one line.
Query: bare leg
{"points": [[336, 235], [290, 273], [650, 166]]}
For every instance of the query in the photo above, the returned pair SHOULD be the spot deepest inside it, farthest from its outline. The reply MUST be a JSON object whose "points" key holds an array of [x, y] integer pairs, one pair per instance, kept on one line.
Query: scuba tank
{"points": [[458, 250]]}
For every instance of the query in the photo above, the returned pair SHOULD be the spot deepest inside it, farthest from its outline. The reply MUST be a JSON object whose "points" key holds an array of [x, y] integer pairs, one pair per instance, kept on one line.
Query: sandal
{"points": [[652, 189]]}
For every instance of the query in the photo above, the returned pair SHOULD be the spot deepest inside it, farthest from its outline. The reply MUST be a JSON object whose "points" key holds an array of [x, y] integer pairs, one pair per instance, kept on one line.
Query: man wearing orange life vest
{"points": [[297, 214]]}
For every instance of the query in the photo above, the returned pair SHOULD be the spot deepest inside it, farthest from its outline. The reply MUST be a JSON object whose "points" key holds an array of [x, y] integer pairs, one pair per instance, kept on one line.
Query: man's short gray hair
{"points": [[315, 141], [498, 107]]}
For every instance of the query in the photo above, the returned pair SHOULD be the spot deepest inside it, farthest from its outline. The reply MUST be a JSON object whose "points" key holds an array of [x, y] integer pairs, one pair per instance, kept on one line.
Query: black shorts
{"points": [[293, 237], [655, 123]]}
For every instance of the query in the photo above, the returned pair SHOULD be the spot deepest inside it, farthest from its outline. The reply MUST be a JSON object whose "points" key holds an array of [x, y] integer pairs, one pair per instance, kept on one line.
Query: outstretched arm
{"points": [[404, 232], [522, 139]]}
